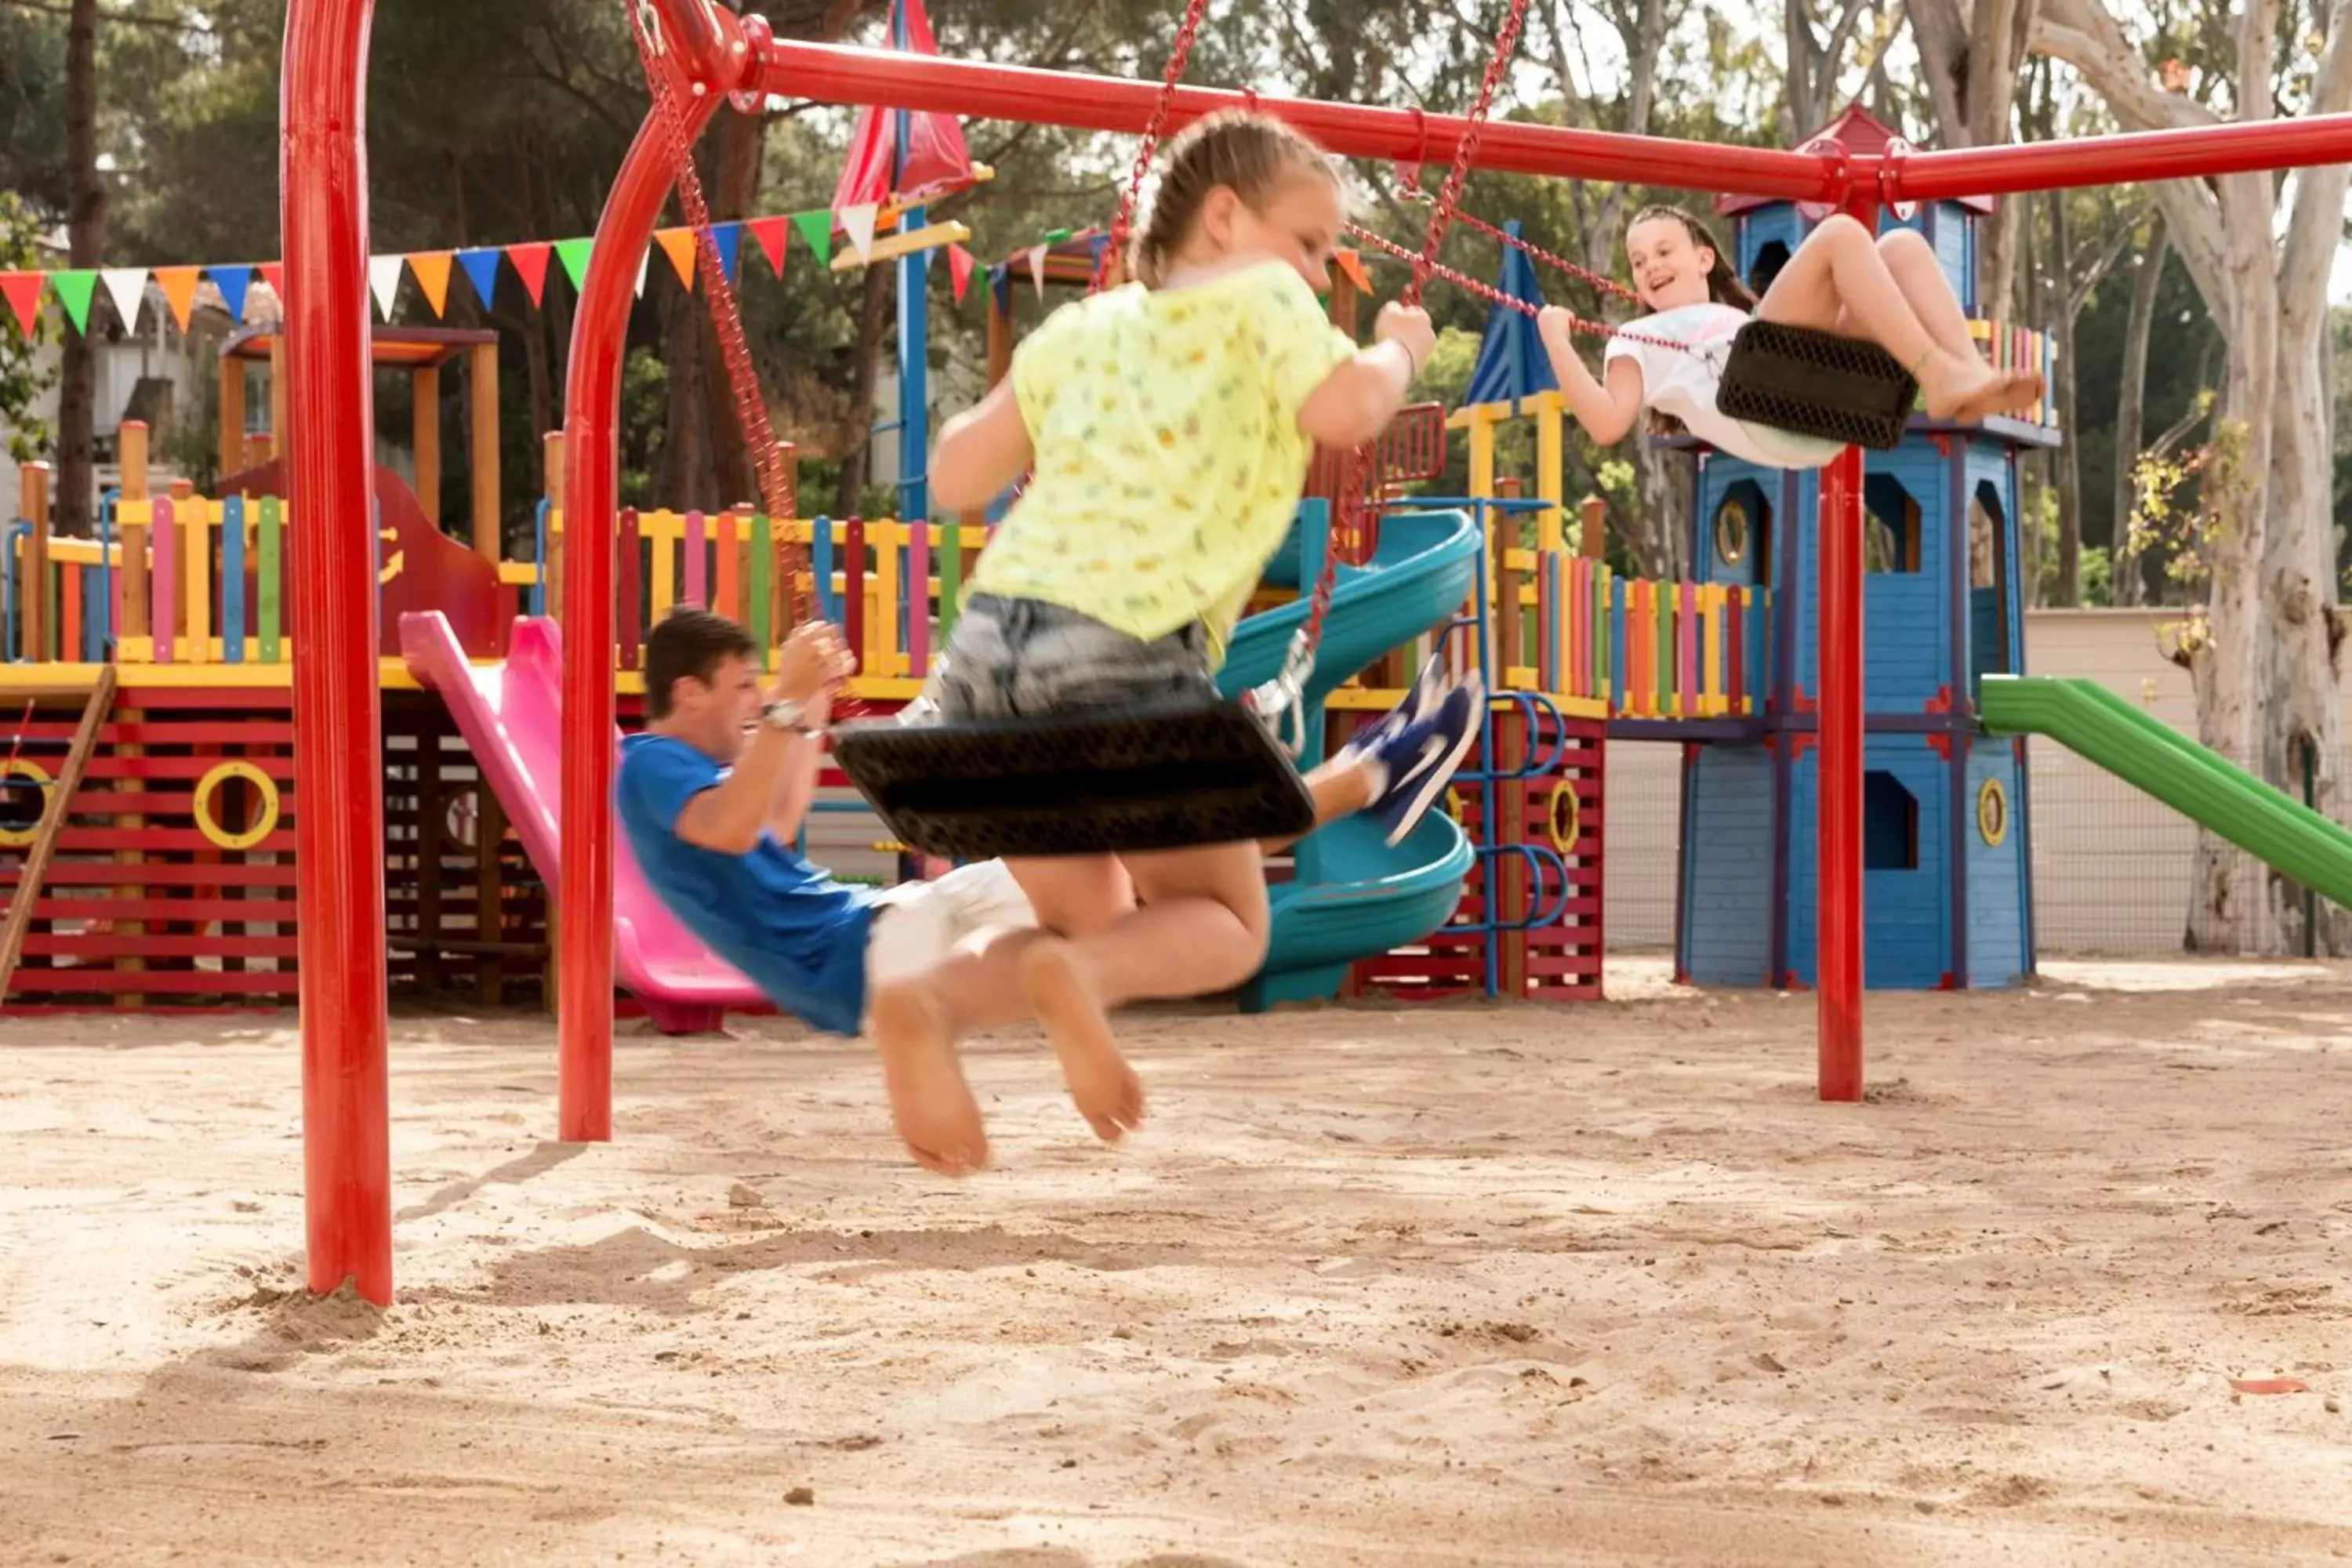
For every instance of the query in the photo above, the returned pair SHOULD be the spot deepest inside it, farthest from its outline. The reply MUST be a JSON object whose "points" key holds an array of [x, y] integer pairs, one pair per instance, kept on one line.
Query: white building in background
{"points": [[153, 371]]}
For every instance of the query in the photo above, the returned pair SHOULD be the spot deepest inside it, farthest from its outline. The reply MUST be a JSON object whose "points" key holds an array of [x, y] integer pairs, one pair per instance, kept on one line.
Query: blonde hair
{"points": [[1248, 153]]}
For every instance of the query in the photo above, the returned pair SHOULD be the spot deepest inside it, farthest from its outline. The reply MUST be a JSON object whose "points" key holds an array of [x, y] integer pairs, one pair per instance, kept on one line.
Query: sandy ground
{"points": [[1471, 1285]]}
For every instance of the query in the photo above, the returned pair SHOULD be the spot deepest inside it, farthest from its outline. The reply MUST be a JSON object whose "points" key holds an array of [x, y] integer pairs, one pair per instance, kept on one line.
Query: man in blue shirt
{"points": [[714, 792]]}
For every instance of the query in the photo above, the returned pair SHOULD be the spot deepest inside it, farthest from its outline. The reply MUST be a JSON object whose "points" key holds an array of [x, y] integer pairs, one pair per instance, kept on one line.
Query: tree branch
{"points": [[2085, 35], [1942, 41], [2079, 294], [1841, 35], [2319, 193], [127, 18]]}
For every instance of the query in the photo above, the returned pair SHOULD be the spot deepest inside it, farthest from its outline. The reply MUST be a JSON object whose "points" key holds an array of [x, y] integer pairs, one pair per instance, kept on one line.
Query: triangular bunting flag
{"points": [[1038, 269], [179, 285], [23, 292], [960, 265], [482, 271], [678, 243], [75, 289], [573, 254], [232, 282], [817, 229], [1352, 262], [274, 274], [432, 270], [770, 232], [127, 287], [857, 222], [384, 281], [729, 239], [530, 265]]}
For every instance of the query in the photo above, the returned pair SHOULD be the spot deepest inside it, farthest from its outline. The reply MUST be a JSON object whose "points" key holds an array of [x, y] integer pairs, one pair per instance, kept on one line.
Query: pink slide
{"points": [[511, 715]]}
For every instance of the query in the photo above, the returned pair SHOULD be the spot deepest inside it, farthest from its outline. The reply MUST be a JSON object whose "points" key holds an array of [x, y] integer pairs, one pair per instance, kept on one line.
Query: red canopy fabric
{"points": [[937, 161]]}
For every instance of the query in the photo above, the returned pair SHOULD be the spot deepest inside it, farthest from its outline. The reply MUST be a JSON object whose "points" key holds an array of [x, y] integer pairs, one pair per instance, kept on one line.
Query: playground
{"points": [[1483, 1285], [396, 1177]]}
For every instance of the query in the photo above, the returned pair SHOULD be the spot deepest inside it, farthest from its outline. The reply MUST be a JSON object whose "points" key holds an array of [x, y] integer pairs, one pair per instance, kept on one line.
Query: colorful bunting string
{"points": [[125, 286]]}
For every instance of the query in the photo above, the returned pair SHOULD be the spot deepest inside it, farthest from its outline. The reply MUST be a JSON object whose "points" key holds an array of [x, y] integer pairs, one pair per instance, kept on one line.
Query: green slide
{"points": [[2087, 718]]}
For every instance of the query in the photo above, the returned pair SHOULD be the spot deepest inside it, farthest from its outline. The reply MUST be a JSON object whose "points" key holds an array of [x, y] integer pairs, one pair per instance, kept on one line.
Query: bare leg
{"points": [[917, 1024], [1839, 274], [1074, 894], [1203, 927], [1911, 262], [1341, 789]]}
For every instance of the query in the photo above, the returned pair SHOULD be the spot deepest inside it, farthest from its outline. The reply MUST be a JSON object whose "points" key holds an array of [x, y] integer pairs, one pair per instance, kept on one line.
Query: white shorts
{"points": [[918, 924]]}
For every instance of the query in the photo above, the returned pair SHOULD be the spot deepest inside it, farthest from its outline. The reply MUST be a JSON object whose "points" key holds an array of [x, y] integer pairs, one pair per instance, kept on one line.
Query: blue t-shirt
{"points": [[794, 932]]}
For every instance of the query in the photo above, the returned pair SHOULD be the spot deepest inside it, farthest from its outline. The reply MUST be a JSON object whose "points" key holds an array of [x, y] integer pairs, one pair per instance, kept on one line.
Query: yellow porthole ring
{"points": [[1993, 812], [209, 825], [1567, 817], [18, 768]]}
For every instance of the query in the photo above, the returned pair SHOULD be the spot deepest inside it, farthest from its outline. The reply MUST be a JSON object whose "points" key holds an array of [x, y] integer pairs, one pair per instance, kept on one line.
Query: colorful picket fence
{"points": [[1647, 649], [203, 589], [733, 562]]}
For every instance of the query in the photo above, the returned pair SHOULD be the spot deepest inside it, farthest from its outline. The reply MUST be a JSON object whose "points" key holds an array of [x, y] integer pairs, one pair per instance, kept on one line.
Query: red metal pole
{"points": [[834, 74], [2116, 159], [591, 481], [1837, 958], [338, 745]]}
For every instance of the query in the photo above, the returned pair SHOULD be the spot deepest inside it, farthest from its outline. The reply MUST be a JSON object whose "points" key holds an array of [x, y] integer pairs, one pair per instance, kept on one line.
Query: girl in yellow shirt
{"points": [[1165, 427]]}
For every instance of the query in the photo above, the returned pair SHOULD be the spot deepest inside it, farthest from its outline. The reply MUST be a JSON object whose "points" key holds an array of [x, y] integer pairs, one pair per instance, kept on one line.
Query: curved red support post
{"points": [[338, 744], [591, 481]]}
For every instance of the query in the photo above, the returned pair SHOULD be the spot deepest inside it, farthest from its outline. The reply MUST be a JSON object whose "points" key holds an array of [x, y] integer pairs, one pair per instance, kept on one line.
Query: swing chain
{"points": [[1361, 478], [1115, 253], [1449, 196], [743, 379]]}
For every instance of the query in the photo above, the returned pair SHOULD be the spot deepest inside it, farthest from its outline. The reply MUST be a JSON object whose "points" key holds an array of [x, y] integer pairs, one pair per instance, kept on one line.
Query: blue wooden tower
{"points": [[1947, 893]]}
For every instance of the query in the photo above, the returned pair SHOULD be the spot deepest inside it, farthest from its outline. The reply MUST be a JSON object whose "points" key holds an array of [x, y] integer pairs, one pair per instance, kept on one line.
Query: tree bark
{"points": [[1656, 533], [2223, 229], [2069, 455], [1970, 59], [2300, 625], [873, 317], [74, 500], [2129, 572]]}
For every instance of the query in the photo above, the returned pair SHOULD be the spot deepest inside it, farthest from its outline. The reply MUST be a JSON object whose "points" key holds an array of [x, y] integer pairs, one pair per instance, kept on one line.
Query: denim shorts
{"points": [[1025, 659]]}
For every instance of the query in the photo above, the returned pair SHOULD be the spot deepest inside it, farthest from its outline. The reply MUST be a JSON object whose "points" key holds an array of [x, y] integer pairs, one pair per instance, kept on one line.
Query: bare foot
{"points": [[2021, 390], [1967, 390], [1959, 387], [929, 1101], [1106, 1091]]}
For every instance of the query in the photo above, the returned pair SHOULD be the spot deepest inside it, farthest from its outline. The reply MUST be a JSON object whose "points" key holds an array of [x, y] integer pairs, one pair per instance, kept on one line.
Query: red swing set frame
{"points": [[709, 54]]}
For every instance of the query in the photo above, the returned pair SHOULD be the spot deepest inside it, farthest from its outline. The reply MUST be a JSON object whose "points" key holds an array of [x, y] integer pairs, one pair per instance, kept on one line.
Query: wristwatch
{"points": [[788, 715]]}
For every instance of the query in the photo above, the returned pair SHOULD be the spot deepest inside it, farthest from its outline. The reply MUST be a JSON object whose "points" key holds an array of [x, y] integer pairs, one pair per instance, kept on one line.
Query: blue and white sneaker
{"points": [[1430, 690], [1421, 759]]}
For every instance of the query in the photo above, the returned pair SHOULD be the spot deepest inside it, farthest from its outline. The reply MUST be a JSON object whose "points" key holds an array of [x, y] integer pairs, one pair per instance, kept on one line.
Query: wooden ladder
{"points": [[53, 827]]}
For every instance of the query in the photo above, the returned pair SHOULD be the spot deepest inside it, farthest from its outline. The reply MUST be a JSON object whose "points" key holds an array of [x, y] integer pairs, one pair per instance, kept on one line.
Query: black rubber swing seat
{"points": [[1816, 383], [1160, 775]]}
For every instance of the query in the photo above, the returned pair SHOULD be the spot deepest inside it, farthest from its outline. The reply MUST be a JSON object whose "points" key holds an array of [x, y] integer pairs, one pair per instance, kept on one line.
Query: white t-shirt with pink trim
{"points": [[1683, 382]]}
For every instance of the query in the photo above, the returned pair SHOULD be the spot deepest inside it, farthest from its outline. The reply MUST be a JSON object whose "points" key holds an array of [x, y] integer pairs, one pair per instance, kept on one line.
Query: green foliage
{"points": [[33, 108], [22, 377]]}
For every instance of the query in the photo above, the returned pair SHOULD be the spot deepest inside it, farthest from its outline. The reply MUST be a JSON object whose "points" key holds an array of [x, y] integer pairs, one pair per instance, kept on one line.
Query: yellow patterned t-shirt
{"points": [[1168, 459]]}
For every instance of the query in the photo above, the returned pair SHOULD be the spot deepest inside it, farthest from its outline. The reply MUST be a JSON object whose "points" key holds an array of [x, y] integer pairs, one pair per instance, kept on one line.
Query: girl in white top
{"points": [[1843, 278]]}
